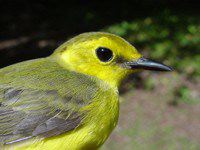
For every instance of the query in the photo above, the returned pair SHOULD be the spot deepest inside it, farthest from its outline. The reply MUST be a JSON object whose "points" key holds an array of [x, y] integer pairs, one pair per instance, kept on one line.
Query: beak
{"points": [[147, 64]]}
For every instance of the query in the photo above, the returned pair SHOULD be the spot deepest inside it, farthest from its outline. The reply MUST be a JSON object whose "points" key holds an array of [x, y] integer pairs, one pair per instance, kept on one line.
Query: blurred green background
{"points": [[158, 110]]}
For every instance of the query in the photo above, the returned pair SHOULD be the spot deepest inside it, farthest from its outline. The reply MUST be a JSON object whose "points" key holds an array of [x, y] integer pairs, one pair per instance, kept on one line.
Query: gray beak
{"points": [[147, 64]]}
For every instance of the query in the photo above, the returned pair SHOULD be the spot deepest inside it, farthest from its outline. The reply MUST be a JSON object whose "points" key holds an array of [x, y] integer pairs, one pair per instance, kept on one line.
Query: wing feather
{"points": [[40, 98]]}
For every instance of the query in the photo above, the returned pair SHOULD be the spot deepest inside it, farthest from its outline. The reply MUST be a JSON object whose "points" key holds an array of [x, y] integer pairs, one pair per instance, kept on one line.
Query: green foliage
{"points": [[172, 38], [184, 95]]}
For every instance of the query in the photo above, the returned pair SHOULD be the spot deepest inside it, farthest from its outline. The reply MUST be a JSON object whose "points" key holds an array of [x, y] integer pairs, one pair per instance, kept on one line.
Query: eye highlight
{"points": [[104, 54]]}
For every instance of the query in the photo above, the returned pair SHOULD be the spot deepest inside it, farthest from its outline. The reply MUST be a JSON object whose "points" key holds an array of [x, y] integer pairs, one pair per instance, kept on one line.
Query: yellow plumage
{"points": [[68, 100], [90, 136]]}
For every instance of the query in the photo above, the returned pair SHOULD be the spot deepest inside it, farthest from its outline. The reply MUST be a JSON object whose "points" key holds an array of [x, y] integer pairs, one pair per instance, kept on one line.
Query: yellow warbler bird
{"points": [[69, 100]]}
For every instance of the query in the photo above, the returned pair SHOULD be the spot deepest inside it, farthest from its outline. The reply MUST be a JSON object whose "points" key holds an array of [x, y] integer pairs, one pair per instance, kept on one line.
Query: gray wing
{"points": [[30, 110], [26, 113]]}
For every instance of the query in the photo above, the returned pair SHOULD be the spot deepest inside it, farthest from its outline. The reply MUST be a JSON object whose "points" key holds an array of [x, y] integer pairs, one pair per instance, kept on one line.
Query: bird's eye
{"points": [[104, 54]]}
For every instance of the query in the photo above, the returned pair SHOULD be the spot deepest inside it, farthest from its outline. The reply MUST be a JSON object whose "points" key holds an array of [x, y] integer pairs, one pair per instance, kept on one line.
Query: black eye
{"points": [[104, 54]]}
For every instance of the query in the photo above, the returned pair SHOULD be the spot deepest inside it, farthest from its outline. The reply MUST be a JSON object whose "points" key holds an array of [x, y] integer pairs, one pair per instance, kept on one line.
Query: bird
{"points": [[68, 100]]}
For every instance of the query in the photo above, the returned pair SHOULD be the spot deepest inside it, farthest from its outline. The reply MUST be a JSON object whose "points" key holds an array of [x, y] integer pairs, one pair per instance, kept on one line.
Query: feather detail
{"points": [[42, 100]]}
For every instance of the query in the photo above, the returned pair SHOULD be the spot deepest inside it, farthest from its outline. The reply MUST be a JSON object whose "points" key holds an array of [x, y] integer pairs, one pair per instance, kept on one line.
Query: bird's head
{"points": [[105, 56]]}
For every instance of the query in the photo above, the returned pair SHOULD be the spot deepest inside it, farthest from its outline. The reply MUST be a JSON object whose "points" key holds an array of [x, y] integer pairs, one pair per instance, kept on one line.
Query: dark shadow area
{"points": [[32, 29]]}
